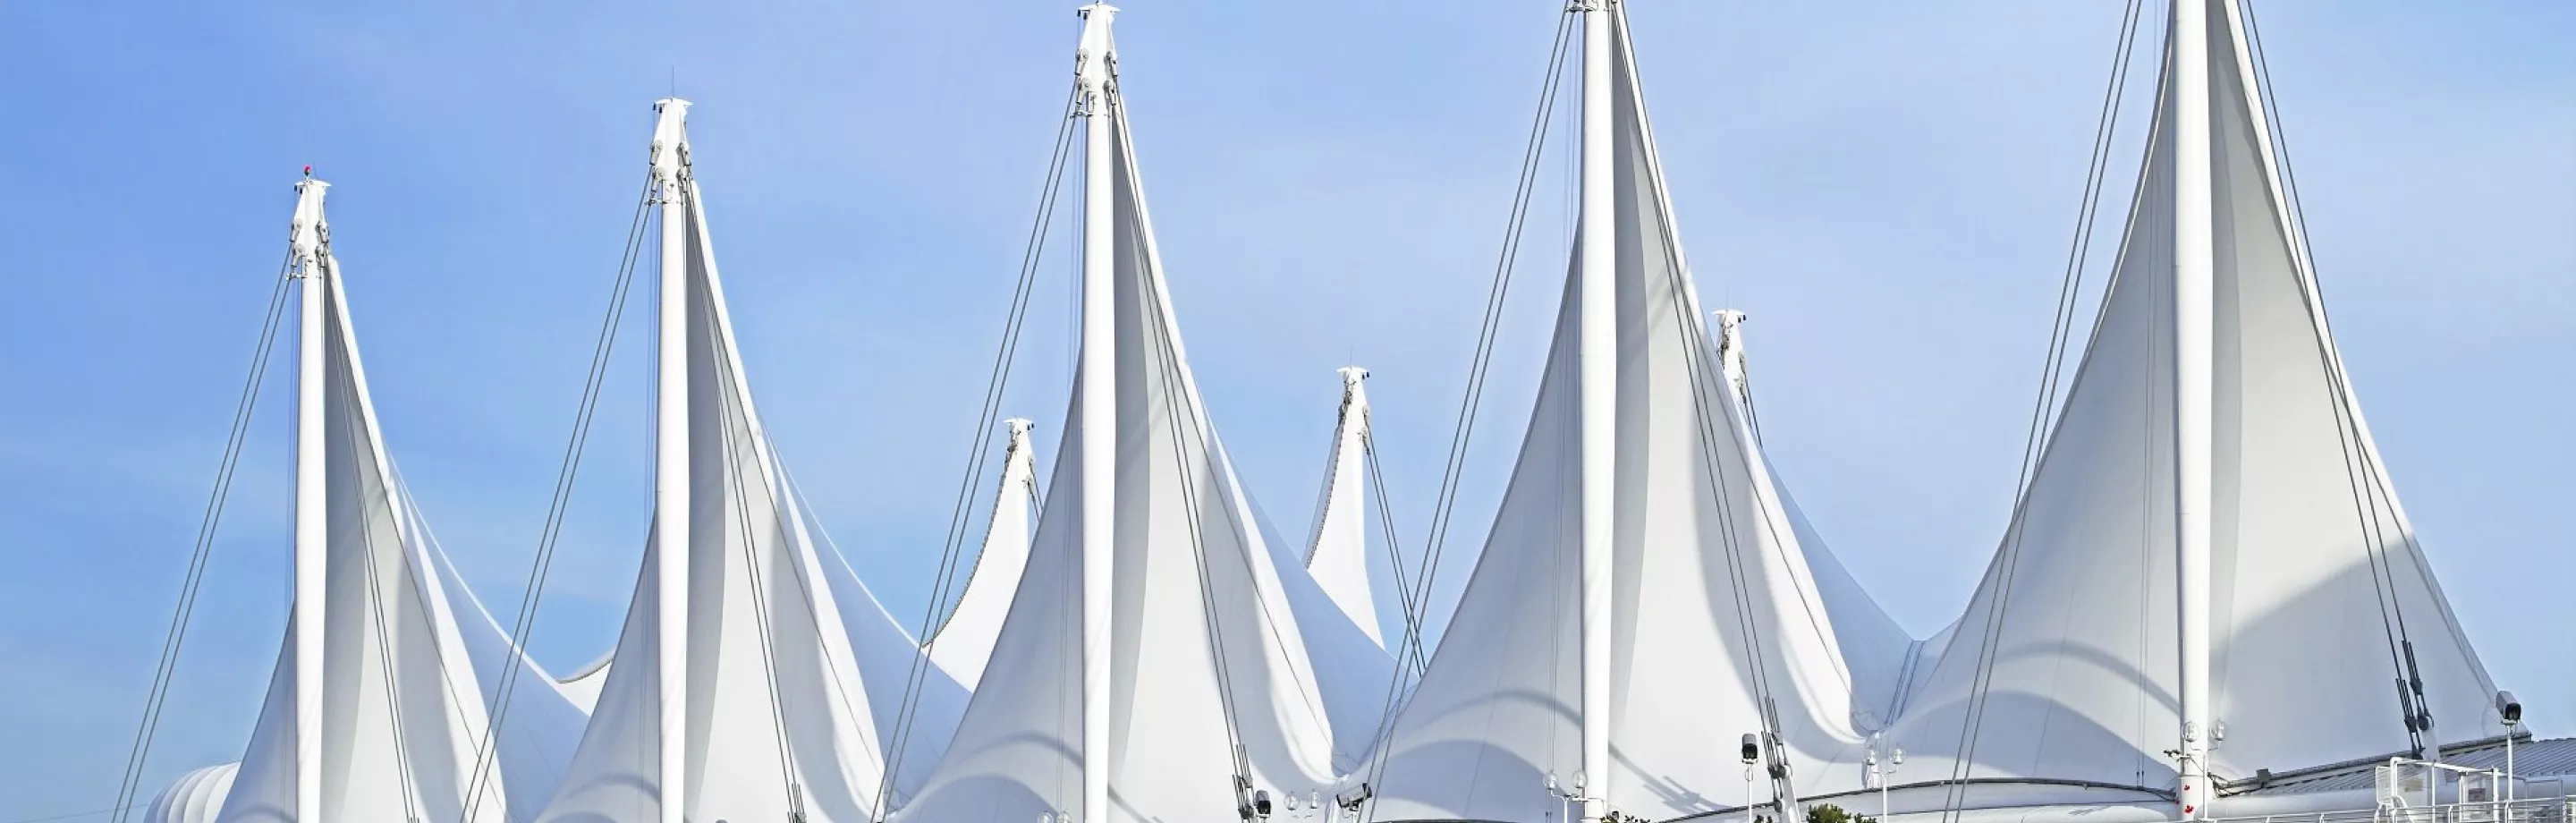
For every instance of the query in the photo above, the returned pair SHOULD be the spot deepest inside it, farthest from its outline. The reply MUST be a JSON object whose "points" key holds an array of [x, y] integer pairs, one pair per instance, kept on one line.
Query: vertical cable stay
{"points": [[1188, 433], [128, 785], [486, 750], [1405, 592], [2361, 471], [737, 442], [2052, 370], [1708, 388], [961, 514], [404, 775], [1410, 654]]}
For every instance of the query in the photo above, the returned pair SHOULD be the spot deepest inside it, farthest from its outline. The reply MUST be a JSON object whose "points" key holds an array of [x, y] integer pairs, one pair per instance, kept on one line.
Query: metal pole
{"points": [[2509, 793], [671, 462], [312, 503], [1597, 380], [1096, 436], [1748, 794], [2194, 346]]}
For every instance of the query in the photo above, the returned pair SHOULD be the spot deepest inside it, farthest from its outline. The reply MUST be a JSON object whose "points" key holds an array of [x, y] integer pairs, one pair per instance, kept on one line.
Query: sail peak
{"points": [[2311, 587], [755, 678], [379, 717], [1164, 656], [963, 645], [1337, 550], [1717, 582]]}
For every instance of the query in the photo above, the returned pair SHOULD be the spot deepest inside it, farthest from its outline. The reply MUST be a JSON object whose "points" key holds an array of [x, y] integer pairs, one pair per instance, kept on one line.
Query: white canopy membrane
{"points": [[195, 797], [2316, 577], [964, 643], [1220, 638], [1337, 554], [413, 663], [1724, 597], [794, 672]]}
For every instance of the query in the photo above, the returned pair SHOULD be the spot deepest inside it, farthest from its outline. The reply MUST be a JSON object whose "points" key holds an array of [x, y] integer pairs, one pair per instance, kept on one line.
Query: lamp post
{"points": [[1895, 758], [2510, 711], [1749, 752]]}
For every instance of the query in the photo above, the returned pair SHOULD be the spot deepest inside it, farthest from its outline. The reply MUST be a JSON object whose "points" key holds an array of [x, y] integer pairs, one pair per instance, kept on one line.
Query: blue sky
{"points": [[1888, 189]]}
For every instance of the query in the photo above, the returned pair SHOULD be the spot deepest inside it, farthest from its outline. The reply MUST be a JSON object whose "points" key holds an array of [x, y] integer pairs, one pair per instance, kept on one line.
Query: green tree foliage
{"points": [[1830, 813]]}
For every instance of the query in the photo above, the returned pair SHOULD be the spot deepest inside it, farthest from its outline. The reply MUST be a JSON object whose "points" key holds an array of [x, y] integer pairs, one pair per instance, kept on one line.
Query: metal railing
{"points": [[2540, 810]]}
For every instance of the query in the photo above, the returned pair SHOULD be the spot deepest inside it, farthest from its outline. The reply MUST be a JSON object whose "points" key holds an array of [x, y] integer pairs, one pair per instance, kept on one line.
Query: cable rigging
{"points": [[997, 381], [486, 750], [1405, 592], [236, 437], [1709, 390], [2052, 370], [2367, 483], [1188, 432], [382, 627], [1410, 654]]}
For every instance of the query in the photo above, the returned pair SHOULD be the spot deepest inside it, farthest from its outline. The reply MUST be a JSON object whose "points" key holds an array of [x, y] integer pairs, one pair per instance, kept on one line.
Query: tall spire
{"points": [[2193, 344], [2208, 528], [671, 477], [312, 247], [1719, 583], [372, 710], [1162, 650], [772, 711], [1597, 379], [1096, 435]]}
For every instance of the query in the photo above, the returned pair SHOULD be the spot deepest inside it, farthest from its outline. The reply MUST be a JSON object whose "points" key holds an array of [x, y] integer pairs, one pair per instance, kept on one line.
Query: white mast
{"points": [[671, 458], [2194, 270], [309, 239], [1598, 376], [1097, 438]]}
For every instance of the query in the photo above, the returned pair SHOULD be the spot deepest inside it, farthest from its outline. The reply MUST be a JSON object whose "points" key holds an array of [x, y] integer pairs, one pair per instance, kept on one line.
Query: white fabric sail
{"points": [[1337, 554], [889, 659], [413, 664], [2314, 566], [1719, 604], [792, 668], [1221, 640], [536, 736], [964, 643]]}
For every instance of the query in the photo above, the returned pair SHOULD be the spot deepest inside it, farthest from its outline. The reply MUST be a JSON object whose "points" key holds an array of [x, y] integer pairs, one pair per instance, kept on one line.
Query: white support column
{"points": [[671, 458], [1097, 437], [310, 239], [1598, 378], [2194, 271]]}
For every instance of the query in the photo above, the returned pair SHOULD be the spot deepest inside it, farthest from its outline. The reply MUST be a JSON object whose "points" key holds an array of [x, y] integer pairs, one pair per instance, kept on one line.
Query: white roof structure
{"points": [[195, 797], [1723, 599], [1337, 554], [964, 643], [2061, 679], [411, 664], [791, 670], [1227, 663]]}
